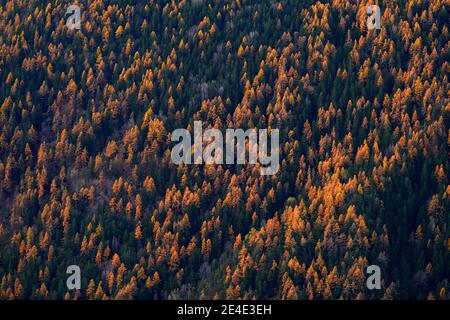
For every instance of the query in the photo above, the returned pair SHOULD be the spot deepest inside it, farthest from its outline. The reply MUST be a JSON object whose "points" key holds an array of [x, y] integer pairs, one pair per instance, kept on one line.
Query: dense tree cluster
{"points": [[86, 176]]}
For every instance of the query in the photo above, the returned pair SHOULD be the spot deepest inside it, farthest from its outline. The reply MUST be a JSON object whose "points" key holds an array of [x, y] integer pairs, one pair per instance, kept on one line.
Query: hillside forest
{"points": [[86, 176]]}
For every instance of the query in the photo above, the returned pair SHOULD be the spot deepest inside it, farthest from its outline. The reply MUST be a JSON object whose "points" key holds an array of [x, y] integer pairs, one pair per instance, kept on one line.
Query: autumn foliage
{"points": [[86, 176]]}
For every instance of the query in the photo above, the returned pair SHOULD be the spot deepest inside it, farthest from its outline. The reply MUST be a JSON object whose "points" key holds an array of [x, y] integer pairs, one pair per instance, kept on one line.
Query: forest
{"points": [[86, 176]]}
